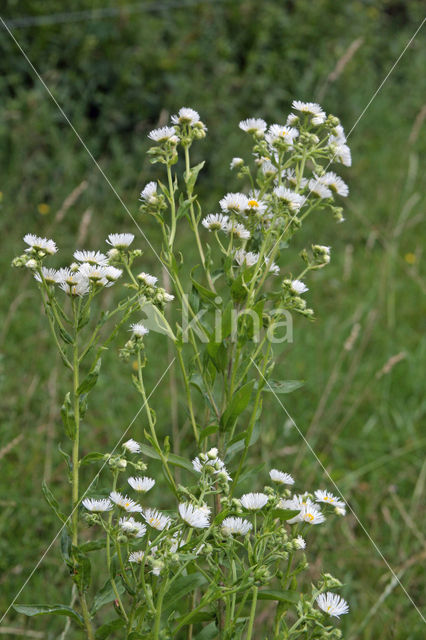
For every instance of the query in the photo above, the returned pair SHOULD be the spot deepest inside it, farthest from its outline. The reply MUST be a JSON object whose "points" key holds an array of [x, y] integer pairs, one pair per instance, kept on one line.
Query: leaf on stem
{"points": [[91, 379], [54, 609]]}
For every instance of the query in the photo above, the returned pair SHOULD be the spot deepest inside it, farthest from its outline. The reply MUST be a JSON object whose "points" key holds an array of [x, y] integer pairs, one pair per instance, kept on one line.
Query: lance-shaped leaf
{"points": [[238, 403], [91, 379], [44, 610]]}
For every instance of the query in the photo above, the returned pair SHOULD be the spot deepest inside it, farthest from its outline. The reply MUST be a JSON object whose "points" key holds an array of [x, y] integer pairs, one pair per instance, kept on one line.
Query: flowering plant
{"points": [[207, 566]]}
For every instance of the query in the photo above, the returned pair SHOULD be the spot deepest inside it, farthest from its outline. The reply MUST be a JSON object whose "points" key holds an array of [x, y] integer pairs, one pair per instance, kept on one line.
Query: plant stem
{"points": [[159, 603], [172, 208], [152, 427], [86, 617], [75, 447], [252, 614], [108, 552], [194, 224]]}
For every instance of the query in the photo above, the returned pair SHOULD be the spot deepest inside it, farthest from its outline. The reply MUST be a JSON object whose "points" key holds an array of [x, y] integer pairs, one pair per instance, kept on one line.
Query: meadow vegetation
{"points": [[362, 403]]}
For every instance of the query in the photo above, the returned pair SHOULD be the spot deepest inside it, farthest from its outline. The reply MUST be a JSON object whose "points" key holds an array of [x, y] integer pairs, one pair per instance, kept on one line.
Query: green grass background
{"points": [[116, 78]]}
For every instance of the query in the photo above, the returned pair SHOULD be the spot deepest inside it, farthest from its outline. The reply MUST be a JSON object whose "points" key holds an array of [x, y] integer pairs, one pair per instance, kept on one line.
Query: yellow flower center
{"points": [[309, 517], [253, 203], [154, 522]]}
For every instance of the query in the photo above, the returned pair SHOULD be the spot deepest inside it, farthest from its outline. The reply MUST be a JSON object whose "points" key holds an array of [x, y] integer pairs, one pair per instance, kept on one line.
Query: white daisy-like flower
{"points": [[132, 446], [298, 287], [93, 273], [234, 202], [156, 520], [147, 279], [299, 542], [176, 544], [213, 464], [332, 604], [91, 504], [341, 153], [255, 204], [215, 222], [239, 526], [124, 502], [322, 247], [319, 189], [254, 501], [74, 284], [186, 115], [92, 257], [132, 526], [317, 120], [141, 484], [340, 511], [236, 162], [296, 502], [328, 498], [149, 192], [272, 266], [246, 258], [40, 244], [195, 516], [267, 168], [338, 136], [293, 199], [111, 275], [309, 513], [163, 134], [138, 330], [335, 183], [137, 557], [168, 297], [238, 230], [253, 125], [120, 240], [292, 118], [50, 275], [281, 477], [312, 108], [278, 132]]}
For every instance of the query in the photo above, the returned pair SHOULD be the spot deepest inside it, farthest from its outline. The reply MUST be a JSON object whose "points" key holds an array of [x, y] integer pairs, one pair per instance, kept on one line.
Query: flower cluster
{"points": [[274, 516]]}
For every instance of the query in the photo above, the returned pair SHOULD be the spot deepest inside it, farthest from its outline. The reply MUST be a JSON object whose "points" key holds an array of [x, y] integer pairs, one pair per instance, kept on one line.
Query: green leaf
{"points": [[280, 596], [183, 207], [93, 545], [191, 177], [178, 461], [66, 337], [238, 289], [105, 595], [92, 457], [182, 586], [52, 502], [106, 629], [283, 386], [205, 294], [238, 403], [218, 354], [82, 569], [285, 514], [208, 431], [208, 633], [44, 610], [91, 379], [67, 415]]}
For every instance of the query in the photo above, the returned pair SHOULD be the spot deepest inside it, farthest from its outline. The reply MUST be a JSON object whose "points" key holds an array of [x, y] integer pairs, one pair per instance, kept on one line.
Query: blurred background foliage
{"points": [[119, 69]]}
